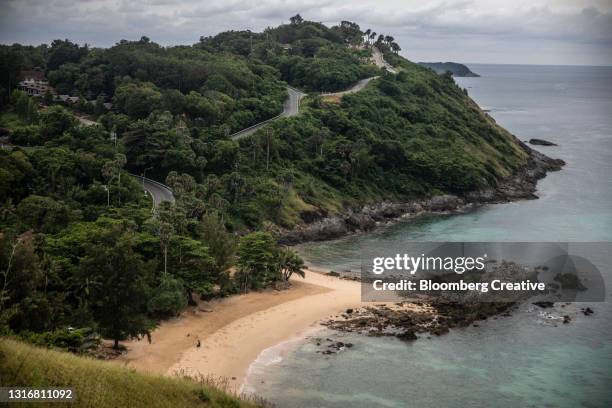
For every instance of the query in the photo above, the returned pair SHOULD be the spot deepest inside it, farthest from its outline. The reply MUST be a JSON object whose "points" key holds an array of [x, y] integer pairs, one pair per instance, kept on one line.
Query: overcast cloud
{"points": [[489, 31]]}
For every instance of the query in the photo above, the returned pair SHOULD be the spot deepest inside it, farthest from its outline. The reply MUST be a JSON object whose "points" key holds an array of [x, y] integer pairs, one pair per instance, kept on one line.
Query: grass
{"points": [[100, 384]]}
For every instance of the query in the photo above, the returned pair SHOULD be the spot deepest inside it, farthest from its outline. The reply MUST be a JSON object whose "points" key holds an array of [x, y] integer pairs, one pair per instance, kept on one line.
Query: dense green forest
{"points": [[79, 245]]}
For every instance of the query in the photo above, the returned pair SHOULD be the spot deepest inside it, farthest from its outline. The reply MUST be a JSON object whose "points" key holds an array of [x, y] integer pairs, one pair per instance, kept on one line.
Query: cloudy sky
{"points": [[486, 31]]}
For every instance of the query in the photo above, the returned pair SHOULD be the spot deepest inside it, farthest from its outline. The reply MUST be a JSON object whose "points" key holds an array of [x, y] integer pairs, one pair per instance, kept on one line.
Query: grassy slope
{"points": [[101, 384]]}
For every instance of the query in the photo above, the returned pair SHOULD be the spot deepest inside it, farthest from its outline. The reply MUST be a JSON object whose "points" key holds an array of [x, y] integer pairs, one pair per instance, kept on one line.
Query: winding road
{"points": [[379, 60], [291, 107], [355, 88], [160, 192]]}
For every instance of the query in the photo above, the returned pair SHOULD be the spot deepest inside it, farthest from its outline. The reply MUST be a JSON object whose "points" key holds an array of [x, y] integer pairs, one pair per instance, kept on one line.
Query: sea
{"points": [[530, 359]]}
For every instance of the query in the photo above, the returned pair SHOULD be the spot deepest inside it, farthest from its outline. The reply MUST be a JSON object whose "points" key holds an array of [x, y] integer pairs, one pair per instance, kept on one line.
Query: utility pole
{"points": [[268, 140]]}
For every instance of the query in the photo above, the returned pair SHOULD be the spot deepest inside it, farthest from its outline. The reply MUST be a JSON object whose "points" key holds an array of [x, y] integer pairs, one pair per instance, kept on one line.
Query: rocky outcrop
{"points": [[541, 142], [521, 185], [405, 320], [368, 217]]}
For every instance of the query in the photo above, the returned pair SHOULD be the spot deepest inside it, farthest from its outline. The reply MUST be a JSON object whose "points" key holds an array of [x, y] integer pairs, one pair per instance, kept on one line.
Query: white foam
{"points": [[272, 356]]}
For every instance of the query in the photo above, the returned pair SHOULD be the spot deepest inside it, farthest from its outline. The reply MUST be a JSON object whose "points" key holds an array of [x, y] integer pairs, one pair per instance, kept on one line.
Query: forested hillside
{"points": [[79, 245]]}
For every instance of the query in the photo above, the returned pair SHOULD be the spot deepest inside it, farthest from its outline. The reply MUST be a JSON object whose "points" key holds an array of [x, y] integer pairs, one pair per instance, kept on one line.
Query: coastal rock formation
{"points": [[406, 320], [445, 202], [541, 142], [521, 185]]}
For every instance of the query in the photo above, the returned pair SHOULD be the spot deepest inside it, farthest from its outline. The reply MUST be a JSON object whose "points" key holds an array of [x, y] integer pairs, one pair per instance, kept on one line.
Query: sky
{"points": [[550, 32]]}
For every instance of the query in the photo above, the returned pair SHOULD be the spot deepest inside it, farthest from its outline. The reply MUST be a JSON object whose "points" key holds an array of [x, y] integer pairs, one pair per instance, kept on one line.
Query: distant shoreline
{"points": [[456, 69]]}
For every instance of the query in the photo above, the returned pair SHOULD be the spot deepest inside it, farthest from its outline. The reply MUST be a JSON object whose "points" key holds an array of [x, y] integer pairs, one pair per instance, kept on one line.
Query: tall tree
{"points": [[221, 244], [120, 284], [367, 35], [257, 260], [296, 20]]}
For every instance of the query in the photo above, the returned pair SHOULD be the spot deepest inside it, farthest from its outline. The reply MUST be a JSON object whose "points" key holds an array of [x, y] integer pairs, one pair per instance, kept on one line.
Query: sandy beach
{"points": [[235, 330]]}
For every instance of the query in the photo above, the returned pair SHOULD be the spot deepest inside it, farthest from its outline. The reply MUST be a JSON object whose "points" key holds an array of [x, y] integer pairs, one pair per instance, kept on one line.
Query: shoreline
{"points": [[235, 331], [521, 185], [278, 352]]}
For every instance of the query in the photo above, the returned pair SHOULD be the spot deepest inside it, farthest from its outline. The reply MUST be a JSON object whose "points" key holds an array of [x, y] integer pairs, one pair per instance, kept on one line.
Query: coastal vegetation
{"points": [[80, 248]]}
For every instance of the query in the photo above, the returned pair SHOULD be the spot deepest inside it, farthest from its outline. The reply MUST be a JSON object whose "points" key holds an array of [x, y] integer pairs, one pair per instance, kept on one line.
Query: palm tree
{"points": [[367, 34], [318, 139], [290, 263], [381, 39], [395, 47], [372, 36]]}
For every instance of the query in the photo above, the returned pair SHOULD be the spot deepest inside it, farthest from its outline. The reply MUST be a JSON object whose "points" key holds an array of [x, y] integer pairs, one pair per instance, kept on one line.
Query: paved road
{"points": [[291, 107], [355, 88], [377, 56], [86, 122], [378, 59], [158, 191]]}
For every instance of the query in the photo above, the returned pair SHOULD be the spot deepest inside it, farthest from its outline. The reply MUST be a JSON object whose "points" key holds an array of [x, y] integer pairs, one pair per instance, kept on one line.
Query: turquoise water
{"points": [[528, 359]]}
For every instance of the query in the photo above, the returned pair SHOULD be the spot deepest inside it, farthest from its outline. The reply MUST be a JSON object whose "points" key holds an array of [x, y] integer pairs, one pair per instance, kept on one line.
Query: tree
{"points": [[367, 35], [201, 163], [65, 77], [22, 306], [156, 143], [7, 263], [257, 260], [25, 106], [168, 298], [290, 262], [11, 63], [164, 232], [55, 121], [43, 214], [137, 100], [111, 170], [318, 138], [296, 20], [119, 283], [62, 52], [21, 103], [221, 244], [99, 109]]}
